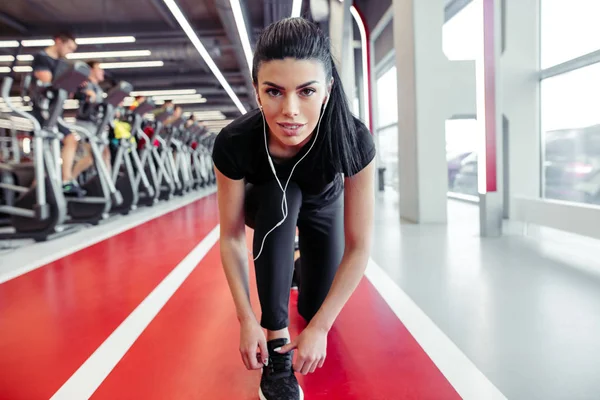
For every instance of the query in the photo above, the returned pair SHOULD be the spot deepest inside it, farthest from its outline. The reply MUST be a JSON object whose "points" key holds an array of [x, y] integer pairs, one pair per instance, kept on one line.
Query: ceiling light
{"points": [[106, 40], [163, 92], [365, 65], [243, 32], [189, 101], [15, 99], [220, 122], [80, 41], [135, 64], [178, 97], [208, 115], [25, 57], [109, 54], [23, 69], [7, 58], [208, 112], [4, 70], [19, 107], [296, 8], [191, 34], [37, 43], [9, 43]]}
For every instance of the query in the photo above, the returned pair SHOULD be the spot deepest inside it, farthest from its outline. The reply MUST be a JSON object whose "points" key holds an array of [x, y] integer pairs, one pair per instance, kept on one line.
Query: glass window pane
{"points": [[461, 155], [571, 135], [463, 34], [387, 98], [569, 29], [388, 151]]}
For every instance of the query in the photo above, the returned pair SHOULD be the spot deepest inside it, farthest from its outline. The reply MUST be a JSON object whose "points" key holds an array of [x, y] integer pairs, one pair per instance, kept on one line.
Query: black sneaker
{"points": [[278, 381], [72, 189]]}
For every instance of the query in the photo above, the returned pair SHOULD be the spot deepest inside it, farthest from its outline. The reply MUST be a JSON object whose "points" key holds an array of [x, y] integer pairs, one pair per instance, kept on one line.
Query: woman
{"points": [[300, 142]]}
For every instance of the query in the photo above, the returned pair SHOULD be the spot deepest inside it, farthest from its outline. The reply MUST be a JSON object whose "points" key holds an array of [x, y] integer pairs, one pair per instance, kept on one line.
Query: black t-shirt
{"points": [[239, 153], [43, 62]]}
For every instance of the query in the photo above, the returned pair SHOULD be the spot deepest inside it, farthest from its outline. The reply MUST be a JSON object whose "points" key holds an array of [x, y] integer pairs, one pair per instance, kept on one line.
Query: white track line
{"points": [[86, 380], [34, 256], [463, 375]]}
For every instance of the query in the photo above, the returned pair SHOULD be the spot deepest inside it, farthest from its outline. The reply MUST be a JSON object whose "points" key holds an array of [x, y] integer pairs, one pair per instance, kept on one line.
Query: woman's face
{"points": [[292, 93]]}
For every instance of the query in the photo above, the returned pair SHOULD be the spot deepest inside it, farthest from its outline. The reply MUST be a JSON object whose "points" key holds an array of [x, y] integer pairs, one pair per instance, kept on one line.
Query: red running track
{"points": [[52, 319], [58, 316]]}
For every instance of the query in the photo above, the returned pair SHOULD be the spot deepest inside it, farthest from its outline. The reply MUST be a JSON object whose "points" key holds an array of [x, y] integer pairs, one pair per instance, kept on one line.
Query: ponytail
{"points": [[340, 139]]}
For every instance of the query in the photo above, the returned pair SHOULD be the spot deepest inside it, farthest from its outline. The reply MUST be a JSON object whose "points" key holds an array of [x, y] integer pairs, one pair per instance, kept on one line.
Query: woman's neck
{"points": [[282, 152]]}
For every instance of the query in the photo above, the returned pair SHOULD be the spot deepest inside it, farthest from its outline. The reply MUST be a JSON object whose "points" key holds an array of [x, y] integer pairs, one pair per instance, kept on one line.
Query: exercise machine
{"points": [[102, 193], [128, 169], [40, 211]]}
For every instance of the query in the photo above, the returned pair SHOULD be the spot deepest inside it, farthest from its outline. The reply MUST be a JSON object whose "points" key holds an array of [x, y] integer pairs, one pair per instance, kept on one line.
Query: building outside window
{"points": [[570, 100]]}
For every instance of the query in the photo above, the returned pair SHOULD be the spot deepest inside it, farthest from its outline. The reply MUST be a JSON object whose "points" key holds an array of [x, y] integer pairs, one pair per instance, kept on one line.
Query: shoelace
{"points": [[280, 366]]}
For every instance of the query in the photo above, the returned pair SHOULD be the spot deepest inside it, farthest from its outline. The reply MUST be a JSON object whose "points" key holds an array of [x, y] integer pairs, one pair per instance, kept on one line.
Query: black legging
{"points": [[320, 222]]}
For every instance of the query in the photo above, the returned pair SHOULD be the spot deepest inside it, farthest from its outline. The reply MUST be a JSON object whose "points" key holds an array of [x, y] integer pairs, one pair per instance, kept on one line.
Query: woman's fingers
{"points": [[313, 367], [264, 351], [253, 357], [245, 359], [306, 367], [322, 362]]}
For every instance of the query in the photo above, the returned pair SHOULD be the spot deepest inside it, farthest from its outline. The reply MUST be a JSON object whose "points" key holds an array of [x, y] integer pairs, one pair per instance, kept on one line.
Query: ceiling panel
{"points": [[80, 11], [154, 28]]}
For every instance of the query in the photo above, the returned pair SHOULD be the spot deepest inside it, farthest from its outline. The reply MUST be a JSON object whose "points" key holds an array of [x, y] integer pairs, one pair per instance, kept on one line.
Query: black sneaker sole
{"points": [[262, 396]]}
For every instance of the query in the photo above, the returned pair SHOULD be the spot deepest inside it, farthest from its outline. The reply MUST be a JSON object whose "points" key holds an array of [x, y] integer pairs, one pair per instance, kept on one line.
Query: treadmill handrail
{"points": [[72, 78], [118, 93], [143, 108], [163, 116]]}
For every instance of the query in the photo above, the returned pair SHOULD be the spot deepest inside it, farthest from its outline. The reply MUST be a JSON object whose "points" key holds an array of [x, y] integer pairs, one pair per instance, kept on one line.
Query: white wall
{"points": [[431, 90], [519, 67]]}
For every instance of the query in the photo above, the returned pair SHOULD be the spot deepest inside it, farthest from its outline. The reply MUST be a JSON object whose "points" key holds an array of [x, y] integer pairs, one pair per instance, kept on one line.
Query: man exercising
{"points": [[89, 95], [47, 64]]}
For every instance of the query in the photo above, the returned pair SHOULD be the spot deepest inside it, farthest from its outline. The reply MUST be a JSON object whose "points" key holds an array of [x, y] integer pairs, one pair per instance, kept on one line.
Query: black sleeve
{"points": [[366, 148], [225, 158], [42, 62]]}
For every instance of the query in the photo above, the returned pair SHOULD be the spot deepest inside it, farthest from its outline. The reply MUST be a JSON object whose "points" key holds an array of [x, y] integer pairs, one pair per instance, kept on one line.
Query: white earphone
{"points": [[284, 206]]}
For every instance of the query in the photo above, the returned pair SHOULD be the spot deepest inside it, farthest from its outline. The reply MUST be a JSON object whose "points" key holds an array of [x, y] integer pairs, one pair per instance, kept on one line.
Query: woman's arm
{"points": [[358, 227], [234, 254], [358, 221]]}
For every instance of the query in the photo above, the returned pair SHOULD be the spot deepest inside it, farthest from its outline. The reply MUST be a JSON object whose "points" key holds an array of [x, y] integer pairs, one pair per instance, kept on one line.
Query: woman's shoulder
{"points": [[243, 127], [364, 148], [235, 143], [363, 135]]}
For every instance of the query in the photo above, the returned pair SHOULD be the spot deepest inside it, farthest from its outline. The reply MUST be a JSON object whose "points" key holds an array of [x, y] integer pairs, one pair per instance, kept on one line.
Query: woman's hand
{"points": [[252, 338], [311, 347]]}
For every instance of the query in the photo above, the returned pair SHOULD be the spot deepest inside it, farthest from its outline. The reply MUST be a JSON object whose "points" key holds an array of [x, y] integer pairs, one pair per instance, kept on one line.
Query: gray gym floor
{"points": [[525, 311]]}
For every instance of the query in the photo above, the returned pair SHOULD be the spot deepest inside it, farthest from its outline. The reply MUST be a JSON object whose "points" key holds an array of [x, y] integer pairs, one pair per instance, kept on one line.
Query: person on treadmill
{"points": [[89, 95], [47, 64]]}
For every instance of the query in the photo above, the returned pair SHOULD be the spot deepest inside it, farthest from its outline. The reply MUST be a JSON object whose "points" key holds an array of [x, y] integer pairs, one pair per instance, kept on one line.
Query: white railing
{"points": [[581, 219]]}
